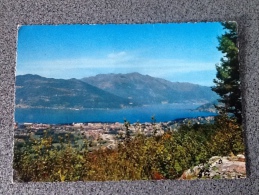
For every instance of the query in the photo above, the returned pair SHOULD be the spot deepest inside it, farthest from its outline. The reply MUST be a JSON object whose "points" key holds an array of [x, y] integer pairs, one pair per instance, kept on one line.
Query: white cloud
{"points": [[120, 62], [117, 55]]}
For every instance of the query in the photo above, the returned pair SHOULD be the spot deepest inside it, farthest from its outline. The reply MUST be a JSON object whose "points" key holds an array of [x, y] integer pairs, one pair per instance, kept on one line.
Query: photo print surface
{"points": [[128, 102]]}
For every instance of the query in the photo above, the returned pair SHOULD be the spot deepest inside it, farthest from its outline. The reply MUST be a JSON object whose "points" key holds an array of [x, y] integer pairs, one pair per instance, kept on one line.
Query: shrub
{"points": [[155, 157], [228, 138]]}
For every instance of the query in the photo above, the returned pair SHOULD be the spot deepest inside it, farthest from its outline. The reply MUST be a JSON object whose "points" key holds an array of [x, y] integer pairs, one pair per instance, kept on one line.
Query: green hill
{"points": [[37, 91], [145, 89]]}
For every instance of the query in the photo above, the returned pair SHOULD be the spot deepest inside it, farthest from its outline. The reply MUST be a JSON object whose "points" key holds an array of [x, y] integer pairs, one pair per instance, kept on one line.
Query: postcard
{"points": [[116, 102]]}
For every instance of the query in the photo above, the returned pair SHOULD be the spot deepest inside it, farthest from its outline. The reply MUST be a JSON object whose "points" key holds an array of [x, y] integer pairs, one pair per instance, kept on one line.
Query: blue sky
{"points": [[176, 52]]}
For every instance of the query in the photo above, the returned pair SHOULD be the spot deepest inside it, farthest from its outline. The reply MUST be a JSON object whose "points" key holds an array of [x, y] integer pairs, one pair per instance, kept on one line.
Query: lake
{"points": [[162, 113]]}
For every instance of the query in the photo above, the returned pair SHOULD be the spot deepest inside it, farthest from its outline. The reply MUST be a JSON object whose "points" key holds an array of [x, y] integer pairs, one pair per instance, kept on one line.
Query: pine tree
{"points": [[227, 78]]}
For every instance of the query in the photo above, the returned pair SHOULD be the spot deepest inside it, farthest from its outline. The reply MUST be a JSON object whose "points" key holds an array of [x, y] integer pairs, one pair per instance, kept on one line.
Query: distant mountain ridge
{"points": [[105, 91], [145, 89], [36, 91]]}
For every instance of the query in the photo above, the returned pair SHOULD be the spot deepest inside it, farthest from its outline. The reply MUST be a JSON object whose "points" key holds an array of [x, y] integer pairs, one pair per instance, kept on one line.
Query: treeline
{"points": [[140, 158]]}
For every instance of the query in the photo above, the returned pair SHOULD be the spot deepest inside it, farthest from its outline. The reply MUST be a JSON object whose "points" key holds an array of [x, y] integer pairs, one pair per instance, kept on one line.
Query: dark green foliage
{"points": [[227, 79]]}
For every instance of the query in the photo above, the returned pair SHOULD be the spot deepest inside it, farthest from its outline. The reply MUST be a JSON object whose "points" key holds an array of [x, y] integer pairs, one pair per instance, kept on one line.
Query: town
{"points": [[103, 135]]}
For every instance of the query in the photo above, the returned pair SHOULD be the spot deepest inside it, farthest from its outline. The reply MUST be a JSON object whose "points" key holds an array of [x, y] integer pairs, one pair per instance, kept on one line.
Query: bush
{"points": [[228, 138], [155, 157], [39, 160]]}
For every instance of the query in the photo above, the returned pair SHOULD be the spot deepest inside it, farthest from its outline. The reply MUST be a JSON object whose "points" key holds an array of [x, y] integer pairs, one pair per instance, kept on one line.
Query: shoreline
{"points": [[117, 108], [162, 113], [178, 120]]}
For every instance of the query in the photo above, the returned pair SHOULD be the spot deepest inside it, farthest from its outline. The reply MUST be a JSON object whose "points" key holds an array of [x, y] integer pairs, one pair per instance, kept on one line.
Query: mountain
{"points": [[105, 91], [36, 91], [209, 107], [145, 89]]}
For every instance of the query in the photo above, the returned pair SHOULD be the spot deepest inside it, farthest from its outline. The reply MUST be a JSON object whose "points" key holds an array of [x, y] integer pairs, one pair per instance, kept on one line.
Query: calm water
{"points": [[162, 113]]}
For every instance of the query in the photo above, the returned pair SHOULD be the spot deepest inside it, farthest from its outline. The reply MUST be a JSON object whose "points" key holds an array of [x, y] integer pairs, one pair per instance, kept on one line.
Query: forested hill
{"points": [[37, 91], [105, 91], [145, 89]]}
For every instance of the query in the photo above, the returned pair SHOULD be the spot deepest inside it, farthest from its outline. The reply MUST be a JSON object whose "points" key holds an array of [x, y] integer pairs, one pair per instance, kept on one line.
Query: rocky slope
{"points": [[218, 168]]}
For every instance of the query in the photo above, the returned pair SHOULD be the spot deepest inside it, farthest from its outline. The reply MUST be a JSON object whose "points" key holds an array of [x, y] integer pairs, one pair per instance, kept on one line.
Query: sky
{"points": [[176, 52]]}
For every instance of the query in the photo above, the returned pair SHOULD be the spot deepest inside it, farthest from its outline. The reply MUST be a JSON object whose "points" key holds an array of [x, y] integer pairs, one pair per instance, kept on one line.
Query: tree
{"points": [[227, 78]]}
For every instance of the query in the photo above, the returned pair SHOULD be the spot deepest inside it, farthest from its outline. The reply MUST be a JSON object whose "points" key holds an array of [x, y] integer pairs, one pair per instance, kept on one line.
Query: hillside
{"points": [[105, 91], [35, 91], [145, 89], [209, 107]]}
